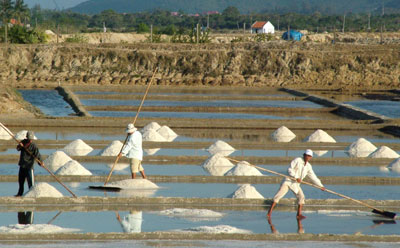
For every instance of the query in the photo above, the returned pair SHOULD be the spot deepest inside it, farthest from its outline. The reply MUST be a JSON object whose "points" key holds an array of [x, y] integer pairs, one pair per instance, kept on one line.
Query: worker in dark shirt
{"points": [[26, 161]]}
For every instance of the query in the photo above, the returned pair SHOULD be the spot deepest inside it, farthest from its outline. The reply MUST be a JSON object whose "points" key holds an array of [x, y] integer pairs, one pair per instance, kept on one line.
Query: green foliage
{"points": [[21, 35], [77, 38], [142, 28], [191, 36]]}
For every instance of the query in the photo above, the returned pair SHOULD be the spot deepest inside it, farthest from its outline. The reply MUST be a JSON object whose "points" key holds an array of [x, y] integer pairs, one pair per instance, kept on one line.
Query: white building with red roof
{"points": [[262, 28]]}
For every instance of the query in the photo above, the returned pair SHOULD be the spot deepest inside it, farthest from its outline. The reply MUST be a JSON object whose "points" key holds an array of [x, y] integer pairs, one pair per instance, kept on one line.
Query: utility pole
{"points": [[369, 21], [244, 28], [151, 33], [208, 21], [344, 22], [197, 33], [58, 32]]}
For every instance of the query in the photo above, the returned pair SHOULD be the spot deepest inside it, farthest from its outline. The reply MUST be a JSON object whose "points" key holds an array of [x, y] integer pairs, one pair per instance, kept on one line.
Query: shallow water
{"points": [[387, 108]]}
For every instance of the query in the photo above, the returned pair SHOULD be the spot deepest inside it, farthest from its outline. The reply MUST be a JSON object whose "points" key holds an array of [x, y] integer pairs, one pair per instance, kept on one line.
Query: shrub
{"points": [[22, 35], [77, 38]]}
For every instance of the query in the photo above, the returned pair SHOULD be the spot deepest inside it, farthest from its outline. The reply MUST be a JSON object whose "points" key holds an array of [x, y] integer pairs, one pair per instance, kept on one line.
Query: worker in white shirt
{"points": [[133, 150], [299, 169]]}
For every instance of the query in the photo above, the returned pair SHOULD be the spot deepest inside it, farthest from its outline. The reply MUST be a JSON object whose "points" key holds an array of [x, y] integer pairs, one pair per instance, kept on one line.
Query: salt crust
{"points": [[320, 136], [4, 135], [167, 133], [77, 148], [220, 147], [112, 149], [214, 229], [21, 135], [36, 228], [43, 190], [217, 165], [394, 166], [151, 126], [243, 168], [134, 184], [73, 167], [283, 134], [136, 193], [56, 160], [384, 152], [153, 135], [246, 191], [197, 213], [360, 148]]}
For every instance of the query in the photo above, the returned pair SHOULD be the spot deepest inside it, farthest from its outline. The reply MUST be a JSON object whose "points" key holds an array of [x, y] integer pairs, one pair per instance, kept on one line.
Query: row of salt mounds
{"points": [[4, 135], [193, 214], [246, 191], [43, 190], [217, 165], [283, 134], [154, 132], [112, 149], [320, 136], [243, 168], [214, 229], [134, 184], [21, 135], [36, 228], [384, 152], [56, 160], [220, 147], [77, 148], [360, 148], [74, 168]]}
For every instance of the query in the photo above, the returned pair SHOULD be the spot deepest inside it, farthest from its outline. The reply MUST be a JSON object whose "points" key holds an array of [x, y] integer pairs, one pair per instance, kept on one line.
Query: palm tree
{"points": [[21, 10], [6, 9]]}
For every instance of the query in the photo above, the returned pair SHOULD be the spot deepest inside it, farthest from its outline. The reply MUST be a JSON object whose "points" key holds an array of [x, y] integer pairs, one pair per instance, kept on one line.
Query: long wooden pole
{"points": [[37, 160], [134, 121]]}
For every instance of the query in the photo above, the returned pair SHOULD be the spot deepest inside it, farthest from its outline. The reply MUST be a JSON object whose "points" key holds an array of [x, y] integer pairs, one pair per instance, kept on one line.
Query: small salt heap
{"points": [[43, 190], [167, 133], [394, 166], [36, 228], [360, 148], [246, 191], [151, 126], [134, 184], [283, 134], [77, 148], [74, 168], [56, 160], [112, 149], [320, 136], [384, 152], [243, 168], [118, 166], [153, 135], [193, 214], [4, 135], [21, 135], [154, 132], [217, 165], [151, 151], [221, 147]]}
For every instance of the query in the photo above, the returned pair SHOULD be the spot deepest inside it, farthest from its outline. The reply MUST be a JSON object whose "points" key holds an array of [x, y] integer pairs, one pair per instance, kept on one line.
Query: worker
{"points": [[29, 151], [298, 170], [133, 151]]}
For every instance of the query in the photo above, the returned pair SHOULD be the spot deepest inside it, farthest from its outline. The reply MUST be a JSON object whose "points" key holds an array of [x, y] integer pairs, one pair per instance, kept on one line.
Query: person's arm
{"points": [[127, 147], [36, 153], [314, 178]]}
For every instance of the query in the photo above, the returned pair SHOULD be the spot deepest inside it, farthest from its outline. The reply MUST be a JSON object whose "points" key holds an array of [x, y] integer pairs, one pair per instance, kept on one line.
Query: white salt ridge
{"points": [[55, 160], [21, 135], [74, 168], [36, 228], [360, 148], [43, 190], [134, 184], [4, 135], [153, 135], [167, 133], [112, 149], [215, 229], [221, 147], [151, 126], [246, 191], [283, 134], [77, 148], [243, 169], [320, 136], [217, 165], [184, 212], [384, 152], [394, 166]]}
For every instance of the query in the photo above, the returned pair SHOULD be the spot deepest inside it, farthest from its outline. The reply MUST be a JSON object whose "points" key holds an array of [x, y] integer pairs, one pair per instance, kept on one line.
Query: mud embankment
{"points": [[296, 65]]}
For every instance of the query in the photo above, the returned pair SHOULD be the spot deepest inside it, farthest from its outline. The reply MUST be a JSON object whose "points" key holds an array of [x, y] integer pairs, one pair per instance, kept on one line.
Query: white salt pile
{"points": [[43, 190], [360, 148], [56, 160], [74, 168], [384, 152], [246, 191], [283, 134], [221, 147], [320, 153], [394, 166], [4, 135], [118, 166], [151, 151], [77, 148], [167, 133], [217, 165], [214, 229], [153, 135], [36, 228], [193, 214], [21, 135], [134, 184], [151, 126], [320, 136], [112, 149], [243, 168]]}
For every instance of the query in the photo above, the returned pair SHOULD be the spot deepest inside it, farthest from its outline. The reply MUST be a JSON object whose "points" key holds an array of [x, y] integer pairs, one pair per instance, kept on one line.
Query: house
{"points": [[262, 28], [293, 35]]}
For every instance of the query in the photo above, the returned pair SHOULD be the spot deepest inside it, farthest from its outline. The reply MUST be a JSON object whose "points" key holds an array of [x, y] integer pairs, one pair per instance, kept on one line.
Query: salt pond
{"points": [[390, 109]]}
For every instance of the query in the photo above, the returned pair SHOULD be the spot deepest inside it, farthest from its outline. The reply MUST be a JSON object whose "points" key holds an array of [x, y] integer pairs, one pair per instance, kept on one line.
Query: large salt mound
{"points": [[243, 169], [134, 184], [320, 136], [112, 149], [384, 152], [217, 165], [167, 133], [283, 134], [360, 148], [21, 135], [77, 148], [153, 135], [395, 166], [36, 228], [74, 168], [246, 191], [215, 229], [221, 147], [56, 160], [43, 190], [151, 126], [4, 135]]}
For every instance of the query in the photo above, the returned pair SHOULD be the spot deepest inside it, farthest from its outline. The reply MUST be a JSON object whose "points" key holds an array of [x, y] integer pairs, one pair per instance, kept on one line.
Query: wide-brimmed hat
{"points": [[30, 135], [309, 152], [130, 128]]}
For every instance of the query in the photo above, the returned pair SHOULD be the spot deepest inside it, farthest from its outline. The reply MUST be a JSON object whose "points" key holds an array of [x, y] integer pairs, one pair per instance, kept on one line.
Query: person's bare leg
{"points": [[133, 175], [299, 215], [143, 175], [271, 209]]}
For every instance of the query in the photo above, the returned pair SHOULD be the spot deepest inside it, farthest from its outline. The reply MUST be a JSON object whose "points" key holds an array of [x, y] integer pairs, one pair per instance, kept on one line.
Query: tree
{"points": [[21, 10], [142, 28], [231, 12], [6, 8]]}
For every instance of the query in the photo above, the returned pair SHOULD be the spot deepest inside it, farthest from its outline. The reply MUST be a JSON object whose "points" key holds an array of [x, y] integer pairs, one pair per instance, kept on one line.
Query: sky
{"points": [[52, 4]]}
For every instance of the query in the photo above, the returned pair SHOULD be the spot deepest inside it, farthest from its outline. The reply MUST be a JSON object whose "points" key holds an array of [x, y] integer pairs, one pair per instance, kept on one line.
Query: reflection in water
{"points": [[300, 228], [25, 218], [132, 223]]}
